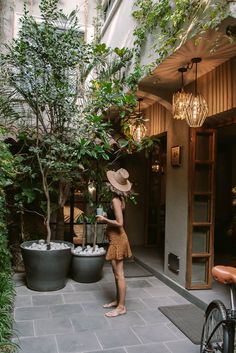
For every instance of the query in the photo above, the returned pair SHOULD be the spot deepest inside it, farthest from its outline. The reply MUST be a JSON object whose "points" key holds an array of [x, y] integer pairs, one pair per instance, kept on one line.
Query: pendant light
{"points": [[197, 109], [180, 99], [137, 128]]}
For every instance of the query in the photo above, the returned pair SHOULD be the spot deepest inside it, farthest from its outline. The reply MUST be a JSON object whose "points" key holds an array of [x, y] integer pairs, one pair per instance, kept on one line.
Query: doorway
{"points": [[156, 195], [225, 208]]}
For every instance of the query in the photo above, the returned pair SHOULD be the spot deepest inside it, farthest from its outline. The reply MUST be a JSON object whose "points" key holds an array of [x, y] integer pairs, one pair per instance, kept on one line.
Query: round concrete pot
{"points": [[87, 268], [46, 270]]}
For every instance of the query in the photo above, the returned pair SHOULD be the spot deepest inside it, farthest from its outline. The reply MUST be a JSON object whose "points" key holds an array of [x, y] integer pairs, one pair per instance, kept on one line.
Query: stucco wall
{"points": [[177, 200], [118, 28]]}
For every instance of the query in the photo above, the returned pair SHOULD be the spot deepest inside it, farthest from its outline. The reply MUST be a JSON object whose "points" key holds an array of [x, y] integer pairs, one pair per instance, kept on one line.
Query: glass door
{"points": [[201, 208]]}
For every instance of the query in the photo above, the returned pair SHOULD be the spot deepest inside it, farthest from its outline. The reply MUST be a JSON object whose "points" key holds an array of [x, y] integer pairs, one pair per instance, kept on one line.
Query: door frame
{"points": [[200, 243]]}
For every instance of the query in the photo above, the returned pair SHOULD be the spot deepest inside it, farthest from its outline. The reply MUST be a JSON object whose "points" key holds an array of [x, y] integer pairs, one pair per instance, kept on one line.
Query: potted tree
{"points": [[59, 115], [88, 258]]}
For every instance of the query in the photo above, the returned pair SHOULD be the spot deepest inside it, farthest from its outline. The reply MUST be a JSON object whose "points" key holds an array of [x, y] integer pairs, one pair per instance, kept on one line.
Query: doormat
{"points": [[132, 269], [188, 318]]}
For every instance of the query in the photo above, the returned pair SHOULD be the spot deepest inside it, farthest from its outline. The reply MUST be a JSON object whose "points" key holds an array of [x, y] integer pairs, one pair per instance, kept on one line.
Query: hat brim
{"points": [[121, 187]]}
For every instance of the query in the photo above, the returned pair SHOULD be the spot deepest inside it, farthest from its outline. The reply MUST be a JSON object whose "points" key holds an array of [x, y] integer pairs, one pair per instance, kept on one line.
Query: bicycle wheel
{"points": [[215, 338]]}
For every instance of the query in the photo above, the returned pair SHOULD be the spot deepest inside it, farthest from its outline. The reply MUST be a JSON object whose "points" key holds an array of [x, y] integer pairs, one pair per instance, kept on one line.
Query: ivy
{"points": [[173, 22]]}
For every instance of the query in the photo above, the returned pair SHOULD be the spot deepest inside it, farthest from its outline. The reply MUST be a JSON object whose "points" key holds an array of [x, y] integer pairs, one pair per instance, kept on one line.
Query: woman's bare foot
{"points": [[110, 305], [116, 312]]}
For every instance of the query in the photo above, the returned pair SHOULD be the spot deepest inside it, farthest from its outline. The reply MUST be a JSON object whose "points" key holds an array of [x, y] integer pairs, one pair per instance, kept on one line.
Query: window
{"points": [[38, 20]]}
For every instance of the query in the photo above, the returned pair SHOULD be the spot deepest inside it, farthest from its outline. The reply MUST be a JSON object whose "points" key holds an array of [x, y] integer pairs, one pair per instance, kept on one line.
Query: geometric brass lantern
{"points": [[180, 99], [197, 109], [137, 128]]}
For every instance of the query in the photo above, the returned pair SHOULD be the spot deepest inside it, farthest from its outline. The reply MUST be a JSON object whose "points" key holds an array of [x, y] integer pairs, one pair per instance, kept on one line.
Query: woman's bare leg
{"points": [[118, 269], [114, 302], [121, 284]]}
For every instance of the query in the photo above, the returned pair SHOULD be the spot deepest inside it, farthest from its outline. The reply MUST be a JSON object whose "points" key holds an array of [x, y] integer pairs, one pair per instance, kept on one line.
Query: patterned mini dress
{"points": [[119, 247]]}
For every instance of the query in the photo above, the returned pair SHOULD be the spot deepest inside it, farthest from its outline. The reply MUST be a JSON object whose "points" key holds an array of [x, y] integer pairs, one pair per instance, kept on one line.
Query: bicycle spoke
{"points": [[214, 336]]}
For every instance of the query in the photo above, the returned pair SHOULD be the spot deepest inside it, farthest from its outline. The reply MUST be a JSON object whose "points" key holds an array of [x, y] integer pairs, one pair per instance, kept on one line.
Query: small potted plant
{"points": [[88, 258]]}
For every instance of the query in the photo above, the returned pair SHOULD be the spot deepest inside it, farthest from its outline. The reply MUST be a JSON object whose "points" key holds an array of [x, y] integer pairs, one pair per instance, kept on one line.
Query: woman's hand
{"points": [[101, 219]]}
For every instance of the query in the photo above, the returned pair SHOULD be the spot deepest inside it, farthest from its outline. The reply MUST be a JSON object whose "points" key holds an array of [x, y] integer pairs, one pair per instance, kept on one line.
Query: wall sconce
{"points": [[136, 123], [197, 109], [180, 99]]}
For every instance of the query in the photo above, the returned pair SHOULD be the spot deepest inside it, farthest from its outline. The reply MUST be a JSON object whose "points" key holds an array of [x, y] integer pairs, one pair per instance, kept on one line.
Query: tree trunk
{"points": [[47, 195], [60, 224], [53, 224]]}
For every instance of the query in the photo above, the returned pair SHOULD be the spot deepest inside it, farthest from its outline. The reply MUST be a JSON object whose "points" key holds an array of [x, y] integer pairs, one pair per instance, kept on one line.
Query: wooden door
{"points": [[201, 208]]}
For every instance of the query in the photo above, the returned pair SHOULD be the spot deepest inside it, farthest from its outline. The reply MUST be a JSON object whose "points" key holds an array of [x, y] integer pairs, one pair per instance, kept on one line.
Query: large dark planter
{"points": [[46, 270], [87, 269]]}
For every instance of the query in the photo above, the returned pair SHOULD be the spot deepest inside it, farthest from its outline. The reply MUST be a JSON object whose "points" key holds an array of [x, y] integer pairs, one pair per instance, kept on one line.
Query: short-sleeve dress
{"points": [[119, 247]]}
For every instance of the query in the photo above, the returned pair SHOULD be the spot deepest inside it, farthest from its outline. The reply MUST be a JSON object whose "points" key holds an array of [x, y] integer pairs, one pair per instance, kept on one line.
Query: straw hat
{"points": [[119, 179]]}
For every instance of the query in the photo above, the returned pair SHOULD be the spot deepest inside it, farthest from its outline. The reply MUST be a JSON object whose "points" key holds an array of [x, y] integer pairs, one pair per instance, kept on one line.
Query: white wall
{"points": [[119, 26], [177, 200], [118, 30]]}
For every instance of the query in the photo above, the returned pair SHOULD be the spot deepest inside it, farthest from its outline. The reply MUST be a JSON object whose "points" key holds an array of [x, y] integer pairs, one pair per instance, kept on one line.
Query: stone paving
{"points": [[71, 320]]}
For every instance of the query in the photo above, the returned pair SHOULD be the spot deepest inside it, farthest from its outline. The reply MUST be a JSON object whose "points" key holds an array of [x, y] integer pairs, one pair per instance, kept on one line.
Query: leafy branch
{"points": [[167, 21]]}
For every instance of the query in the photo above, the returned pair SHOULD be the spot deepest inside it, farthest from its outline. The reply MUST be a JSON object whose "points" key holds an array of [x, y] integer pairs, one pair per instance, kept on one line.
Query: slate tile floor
{"points": [[71, 320]]}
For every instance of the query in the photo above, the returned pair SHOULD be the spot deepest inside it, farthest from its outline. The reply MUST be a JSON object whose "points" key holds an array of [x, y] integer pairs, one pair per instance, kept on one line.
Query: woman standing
{"points": [[119, 247]]}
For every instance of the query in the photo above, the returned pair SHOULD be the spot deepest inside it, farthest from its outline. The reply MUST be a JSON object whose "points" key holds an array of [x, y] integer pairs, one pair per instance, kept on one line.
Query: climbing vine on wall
{"points": [[168, 23], [173, 22]]}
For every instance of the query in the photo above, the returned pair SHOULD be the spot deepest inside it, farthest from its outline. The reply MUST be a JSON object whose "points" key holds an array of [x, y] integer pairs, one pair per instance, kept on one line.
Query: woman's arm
{"points": [[118, 221]]}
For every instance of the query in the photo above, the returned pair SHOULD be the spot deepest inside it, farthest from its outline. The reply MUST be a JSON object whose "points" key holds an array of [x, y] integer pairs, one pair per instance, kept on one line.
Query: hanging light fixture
{"points": [[92, 190], [197, 109], [180, 99], [137, 128]]}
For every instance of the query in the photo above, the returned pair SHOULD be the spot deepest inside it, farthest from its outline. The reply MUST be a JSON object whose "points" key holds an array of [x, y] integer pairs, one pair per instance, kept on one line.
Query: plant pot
{"points": [[46, 270], [87, 268]]}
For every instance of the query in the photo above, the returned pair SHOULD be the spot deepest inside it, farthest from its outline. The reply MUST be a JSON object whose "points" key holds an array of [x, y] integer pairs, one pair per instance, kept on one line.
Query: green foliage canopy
{"points": [[56, 92]]}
